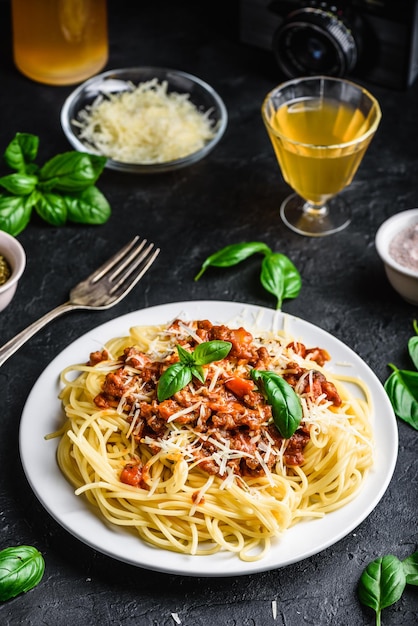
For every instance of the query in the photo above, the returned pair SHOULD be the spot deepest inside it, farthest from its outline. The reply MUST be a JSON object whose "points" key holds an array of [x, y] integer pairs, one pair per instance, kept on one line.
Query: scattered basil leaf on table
{"points": [[382, 584], [410, 567], [71, 171], [51, 208], [87, 207], [232, 255], [280, 277], [413, 346], [278, 274], [286, 406], [15, 213], [383, 581], [21, 569], [179, 374], [402, 389], [402, 386], [19, 184], [63, 189], [21, 152]]}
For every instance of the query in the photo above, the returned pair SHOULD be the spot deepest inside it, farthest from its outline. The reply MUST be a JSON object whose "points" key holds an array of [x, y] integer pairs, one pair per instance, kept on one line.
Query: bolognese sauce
{"points": [[227, 409]]}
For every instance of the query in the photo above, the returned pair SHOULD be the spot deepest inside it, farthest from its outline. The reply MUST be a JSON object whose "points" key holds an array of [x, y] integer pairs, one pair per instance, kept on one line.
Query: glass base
{"points": [[305, 219]]}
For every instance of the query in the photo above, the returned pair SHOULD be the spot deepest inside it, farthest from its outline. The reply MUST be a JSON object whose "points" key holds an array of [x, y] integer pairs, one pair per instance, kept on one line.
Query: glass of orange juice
{"points": [[59, 42], [320, 128]]}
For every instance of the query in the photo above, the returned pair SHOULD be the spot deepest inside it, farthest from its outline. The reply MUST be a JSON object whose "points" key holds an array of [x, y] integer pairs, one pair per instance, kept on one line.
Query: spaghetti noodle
{"points": [[207, 469]]}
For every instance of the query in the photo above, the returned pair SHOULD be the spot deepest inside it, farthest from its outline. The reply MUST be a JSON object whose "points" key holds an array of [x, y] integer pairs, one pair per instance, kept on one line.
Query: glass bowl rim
{"points": [[120, 166], [320, 79]]}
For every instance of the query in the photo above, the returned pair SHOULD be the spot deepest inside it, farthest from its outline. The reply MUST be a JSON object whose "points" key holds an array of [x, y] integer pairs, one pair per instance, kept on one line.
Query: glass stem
{"points": [[315, 211]]}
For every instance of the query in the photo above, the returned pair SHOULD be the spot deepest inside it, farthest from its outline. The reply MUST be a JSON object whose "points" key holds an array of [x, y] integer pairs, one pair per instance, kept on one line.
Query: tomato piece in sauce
{"points": [[240, 386]]}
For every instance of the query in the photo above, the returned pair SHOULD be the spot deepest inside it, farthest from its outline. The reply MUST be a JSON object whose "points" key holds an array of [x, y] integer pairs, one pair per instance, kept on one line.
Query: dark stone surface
{"points": [[232, 196]]}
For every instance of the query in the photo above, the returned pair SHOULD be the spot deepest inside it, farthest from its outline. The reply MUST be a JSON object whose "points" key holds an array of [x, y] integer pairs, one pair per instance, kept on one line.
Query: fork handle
{"points": [[16, 342]]}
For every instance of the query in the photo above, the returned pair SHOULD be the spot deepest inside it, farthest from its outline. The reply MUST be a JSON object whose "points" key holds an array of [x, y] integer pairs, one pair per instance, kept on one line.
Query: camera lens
{"points": [[314, 41]]}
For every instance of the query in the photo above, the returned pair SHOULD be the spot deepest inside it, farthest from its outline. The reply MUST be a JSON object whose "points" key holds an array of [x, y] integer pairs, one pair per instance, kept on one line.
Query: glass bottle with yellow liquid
{"points": [[59, 42]]}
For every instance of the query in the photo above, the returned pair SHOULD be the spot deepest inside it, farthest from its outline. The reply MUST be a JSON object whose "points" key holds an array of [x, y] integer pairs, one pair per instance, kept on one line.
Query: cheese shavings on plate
{"points": [[145, 124]]}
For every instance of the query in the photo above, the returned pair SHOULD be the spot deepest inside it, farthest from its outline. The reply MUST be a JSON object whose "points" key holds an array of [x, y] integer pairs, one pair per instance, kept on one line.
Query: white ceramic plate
{"points": [[42, 414]]}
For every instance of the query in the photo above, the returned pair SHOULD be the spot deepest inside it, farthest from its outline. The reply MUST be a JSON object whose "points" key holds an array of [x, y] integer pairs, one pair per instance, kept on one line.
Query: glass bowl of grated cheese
{"points": [[145, 119]]}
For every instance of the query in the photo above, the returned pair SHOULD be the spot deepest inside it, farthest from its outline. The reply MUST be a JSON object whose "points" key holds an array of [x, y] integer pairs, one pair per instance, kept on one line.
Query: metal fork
{"points": [[111, 282]]}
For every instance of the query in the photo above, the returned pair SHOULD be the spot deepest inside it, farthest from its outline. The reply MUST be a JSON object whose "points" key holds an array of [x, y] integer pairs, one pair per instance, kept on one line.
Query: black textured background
{"points": [[232, 196]]}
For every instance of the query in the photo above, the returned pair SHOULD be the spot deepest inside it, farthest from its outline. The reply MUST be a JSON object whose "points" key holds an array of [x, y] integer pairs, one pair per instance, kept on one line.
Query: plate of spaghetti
{"points": [[208, 438]]}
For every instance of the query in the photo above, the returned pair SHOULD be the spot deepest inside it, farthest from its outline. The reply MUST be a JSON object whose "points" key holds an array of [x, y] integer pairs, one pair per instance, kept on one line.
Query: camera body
{"points": [[375, 40]]}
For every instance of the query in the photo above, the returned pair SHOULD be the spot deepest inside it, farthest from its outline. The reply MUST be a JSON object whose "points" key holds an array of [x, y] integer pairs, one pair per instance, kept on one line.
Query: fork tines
{"points": [[126, 267]]}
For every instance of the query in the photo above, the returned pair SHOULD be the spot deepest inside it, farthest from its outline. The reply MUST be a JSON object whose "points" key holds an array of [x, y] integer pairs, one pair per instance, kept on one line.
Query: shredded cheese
{"points": [[145, 124], [192, 497], [188, 409]]}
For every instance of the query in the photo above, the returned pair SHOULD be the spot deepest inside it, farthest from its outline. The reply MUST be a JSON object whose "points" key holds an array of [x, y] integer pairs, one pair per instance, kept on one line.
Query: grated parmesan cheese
{"points": [[274, 608], [145, 124]]}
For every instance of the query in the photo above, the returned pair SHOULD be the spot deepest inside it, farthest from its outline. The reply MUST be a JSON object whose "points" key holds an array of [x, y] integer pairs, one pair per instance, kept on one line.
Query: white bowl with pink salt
{"points": [[397, 245]]}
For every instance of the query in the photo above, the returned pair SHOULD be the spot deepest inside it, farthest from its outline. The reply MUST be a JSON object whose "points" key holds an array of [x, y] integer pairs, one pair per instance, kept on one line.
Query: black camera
{"points": [[376, 40]]}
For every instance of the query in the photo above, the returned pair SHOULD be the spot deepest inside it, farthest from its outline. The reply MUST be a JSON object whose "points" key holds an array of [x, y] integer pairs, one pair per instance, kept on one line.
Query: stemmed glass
{"points": [[320, 128]]}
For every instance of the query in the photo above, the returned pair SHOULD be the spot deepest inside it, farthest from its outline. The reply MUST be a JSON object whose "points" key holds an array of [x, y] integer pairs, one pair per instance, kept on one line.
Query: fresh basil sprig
{"points": [[278, 274], [190, 364], [285, 403], [62, 190], [402, 386], [232, 255], [383, 581], [280, 277], [21, 569]]}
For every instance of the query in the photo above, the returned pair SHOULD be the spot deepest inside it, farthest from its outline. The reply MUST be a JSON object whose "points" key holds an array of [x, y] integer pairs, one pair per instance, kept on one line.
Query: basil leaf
{"points": [[21, 151], [185, 356], [179, 374], [402, 389], [52, 208], [233, 254], [174, 378], [280, 277], [210, 351], [410, 568], [19, 184], [32, 169], [285, 404], [272, 277], [413, 350], [21, 569], [382, 583], [88, 207], [198, 372], [72, 171], [413, 346], [15, 213]]}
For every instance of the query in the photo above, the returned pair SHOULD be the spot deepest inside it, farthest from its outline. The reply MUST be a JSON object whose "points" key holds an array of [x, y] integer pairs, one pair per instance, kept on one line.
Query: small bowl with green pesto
{"points": [[12, 265], [397, 245]]}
